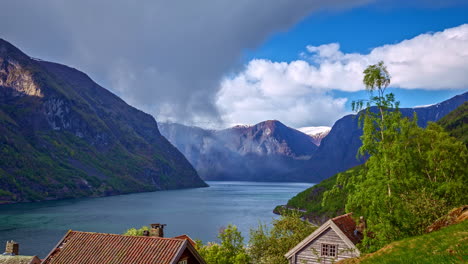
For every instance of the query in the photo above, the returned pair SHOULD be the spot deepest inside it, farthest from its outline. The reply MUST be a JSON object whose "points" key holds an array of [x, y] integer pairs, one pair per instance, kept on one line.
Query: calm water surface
{"points": [[200, 213]]}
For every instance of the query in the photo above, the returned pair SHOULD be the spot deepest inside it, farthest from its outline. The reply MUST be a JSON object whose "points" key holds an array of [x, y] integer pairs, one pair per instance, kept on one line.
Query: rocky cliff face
{"points": [[263, 152], [268, 138], [62, 135]]}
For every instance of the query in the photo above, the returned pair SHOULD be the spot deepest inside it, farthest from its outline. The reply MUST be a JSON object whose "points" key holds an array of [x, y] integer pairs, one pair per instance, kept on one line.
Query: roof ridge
{"points": [[341, 216], [110, 234]]}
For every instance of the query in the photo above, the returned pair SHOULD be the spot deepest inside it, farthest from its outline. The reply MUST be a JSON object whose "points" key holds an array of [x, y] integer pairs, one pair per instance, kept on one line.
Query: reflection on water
{"points": [[200, 213]]}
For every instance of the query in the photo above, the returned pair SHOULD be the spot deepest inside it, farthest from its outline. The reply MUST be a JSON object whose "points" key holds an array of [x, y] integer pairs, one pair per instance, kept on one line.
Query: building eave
{"points": [[316, 233]]}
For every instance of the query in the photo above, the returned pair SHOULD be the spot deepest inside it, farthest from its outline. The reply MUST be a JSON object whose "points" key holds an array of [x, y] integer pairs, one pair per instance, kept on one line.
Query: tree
{"points": [[270, 245], [231, 250], [413, 175], [376, 79], [136, 232]]}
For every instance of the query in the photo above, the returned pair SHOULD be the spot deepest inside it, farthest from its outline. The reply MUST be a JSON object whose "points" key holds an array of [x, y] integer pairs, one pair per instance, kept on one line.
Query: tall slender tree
{"points": [[413, 175]]}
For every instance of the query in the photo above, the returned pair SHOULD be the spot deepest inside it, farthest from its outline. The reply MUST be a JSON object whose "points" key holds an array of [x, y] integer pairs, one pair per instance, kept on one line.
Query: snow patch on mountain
{"points": [[311, 131], [317, 133]]}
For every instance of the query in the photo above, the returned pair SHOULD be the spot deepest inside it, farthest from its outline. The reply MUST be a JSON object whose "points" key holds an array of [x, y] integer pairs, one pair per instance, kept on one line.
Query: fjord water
{"points": [[200, 213]]}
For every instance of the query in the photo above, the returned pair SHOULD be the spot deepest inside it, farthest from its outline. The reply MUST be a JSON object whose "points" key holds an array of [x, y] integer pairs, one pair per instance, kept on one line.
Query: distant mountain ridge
{"points": [[62, 135], [262, 152], [338, 149], [256, 153]]}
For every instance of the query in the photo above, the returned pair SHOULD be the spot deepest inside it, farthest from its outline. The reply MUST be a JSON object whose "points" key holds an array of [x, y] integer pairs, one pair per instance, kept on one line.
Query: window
{"points": [[183, 261], [328, 250]]}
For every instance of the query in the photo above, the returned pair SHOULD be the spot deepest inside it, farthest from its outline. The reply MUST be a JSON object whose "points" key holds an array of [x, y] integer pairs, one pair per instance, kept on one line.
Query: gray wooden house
{"points": [[333, 241]]}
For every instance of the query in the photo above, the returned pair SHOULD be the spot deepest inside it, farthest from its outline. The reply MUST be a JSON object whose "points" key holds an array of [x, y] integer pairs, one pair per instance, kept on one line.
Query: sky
{"points": [[219, 63]]}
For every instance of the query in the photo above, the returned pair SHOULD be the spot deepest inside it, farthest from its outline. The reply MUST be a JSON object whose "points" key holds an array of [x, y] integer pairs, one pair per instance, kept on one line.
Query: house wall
{"points": [[189, 257], [311, 253]]}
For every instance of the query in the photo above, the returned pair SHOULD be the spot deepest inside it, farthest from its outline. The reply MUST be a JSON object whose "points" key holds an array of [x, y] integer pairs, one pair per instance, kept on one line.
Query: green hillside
{"points": [[456, 123], [312, 199], [63, 136], [448, 245]]}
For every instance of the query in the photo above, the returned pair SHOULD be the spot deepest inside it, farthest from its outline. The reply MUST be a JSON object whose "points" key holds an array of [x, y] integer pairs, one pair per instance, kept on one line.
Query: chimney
{"points": [[157, 230], [361, 227], [12, 248]]}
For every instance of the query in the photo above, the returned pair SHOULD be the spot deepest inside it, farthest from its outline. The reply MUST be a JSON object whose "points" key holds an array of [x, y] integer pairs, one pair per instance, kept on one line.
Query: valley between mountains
{"points": [[64, 136], [271, 151]]}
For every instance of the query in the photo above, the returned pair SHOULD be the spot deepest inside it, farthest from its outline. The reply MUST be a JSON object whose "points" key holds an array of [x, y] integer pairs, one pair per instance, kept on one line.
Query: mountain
{"points": [[268, 138], [62, 135], [337, 151], [270, 151], [316, 133], [263, 152], [310, 200], [456, 123]]}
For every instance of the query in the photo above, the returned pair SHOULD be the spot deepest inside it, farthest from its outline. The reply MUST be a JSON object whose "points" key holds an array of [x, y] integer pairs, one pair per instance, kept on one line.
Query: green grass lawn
{"points": [[448, 245]]}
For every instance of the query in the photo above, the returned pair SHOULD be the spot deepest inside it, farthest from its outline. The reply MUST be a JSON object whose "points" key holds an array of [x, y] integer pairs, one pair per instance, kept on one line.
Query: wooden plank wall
{"points": [[310, 254]]}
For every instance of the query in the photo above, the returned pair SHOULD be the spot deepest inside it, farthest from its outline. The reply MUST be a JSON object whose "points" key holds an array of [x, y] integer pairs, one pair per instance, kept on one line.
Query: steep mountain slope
{"points": [[337, 151], [268, 138], [456, 123], [263, 152], [62, 135]]}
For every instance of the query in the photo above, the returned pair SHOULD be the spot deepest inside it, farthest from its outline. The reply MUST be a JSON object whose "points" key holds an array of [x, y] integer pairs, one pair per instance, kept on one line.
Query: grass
{"points": [[448, 245]]}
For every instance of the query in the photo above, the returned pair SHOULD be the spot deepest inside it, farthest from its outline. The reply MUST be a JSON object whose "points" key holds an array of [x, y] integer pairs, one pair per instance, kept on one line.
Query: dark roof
{"points": [[347, 225], [85, 247]]}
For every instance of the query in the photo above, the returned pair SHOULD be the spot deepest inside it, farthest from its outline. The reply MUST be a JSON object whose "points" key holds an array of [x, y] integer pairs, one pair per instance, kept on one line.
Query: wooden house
{"points": [[335, 240], [98, 248]]}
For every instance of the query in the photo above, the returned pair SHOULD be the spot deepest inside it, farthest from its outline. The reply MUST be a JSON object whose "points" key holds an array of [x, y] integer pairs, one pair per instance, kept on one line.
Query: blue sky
{"points": [[361, 29]]}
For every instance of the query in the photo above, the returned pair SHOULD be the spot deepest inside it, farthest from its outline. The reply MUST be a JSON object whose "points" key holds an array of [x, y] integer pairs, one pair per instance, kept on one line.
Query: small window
{"points": [[328, 250], [183, 262]]}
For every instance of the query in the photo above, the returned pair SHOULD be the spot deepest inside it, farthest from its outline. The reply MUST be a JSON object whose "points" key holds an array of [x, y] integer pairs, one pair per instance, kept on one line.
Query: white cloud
{"points": [[297, 92], [165, 57]]}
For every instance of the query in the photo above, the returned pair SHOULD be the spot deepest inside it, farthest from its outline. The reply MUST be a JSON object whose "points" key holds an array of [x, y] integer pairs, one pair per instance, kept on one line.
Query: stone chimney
{"points": [[360, 227], [157, 230], [12, 248]]}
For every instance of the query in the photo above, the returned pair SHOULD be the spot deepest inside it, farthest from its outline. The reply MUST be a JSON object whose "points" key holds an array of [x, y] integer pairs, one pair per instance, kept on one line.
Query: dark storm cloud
{"points": [[165, 57]]}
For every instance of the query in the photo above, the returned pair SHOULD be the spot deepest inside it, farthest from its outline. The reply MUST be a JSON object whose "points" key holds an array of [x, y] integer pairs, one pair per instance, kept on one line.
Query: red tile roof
{"points": [[97, 248], [347, 225], [186, 237]]}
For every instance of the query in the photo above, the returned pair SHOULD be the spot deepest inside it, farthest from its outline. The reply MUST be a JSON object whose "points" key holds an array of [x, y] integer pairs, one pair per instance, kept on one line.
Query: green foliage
{"points": [[325, 199], [266, 245], [231, 250], [270, 245], [336, 196], [376, 79], [447, 245], [136, 232], [410, 182], [456, 123], [412, 175]]}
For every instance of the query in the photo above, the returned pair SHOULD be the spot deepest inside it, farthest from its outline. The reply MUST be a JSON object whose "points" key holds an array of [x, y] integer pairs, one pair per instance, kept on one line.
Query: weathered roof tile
{"points": [[347, 225], [98, 248]]}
